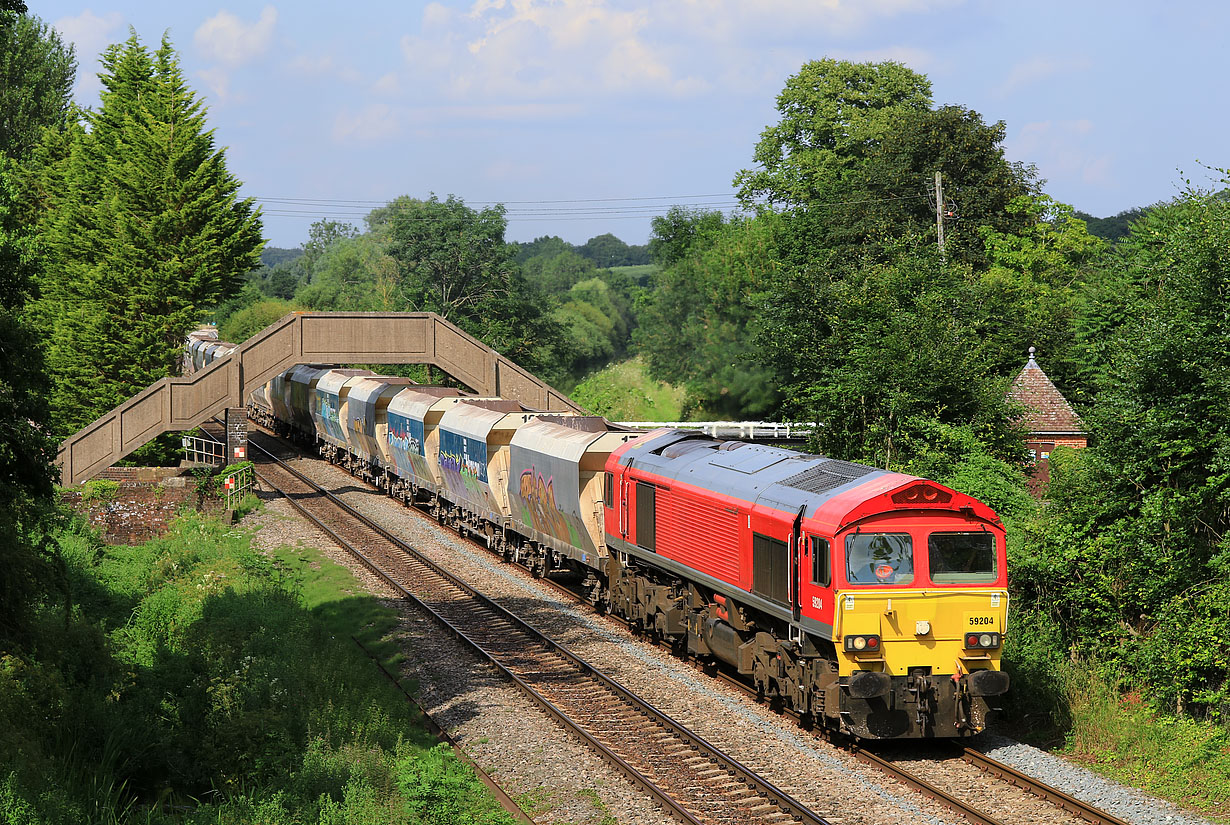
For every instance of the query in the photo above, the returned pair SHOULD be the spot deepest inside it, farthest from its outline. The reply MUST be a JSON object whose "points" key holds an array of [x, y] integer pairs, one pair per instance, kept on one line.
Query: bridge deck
{"points": [[177, 404]]}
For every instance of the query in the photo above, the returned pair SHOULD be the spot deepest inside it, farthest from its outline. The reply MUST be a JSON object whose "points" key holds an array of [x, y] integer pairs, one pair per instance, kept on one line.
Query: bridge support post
{"points": [[236, 435]]}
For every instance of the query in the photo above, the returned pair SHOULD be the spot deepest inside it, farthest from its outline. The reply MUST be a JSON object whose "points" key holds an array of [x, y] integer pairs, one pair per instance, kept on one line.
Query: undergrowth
{"points": [[1116, 733], [194, 680]]}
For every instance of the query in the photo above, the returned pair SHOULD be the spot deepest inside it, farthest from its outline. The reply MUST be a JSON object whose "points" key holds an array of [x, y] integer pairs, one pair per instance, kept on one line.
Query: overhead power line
{"points": [[564, 209]]}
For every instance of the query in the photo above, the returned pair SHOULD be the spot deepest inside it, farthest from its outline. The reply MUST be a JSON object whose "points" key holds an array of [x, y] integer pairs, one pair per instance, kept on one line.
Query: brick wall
{"points": [[147, 502]]}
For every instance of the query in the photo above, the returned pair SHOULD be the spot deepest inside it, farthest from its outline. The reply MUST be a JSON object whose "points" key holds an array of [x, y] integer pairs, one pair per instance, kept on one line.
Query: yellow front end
{"points": [[919, 662]]}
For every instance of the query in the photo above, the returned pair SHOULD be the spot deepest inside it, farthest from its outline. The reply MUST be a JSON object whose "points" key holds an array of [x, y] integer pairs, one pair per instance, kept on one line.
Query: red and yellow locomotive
{"points": [[875, 602]]}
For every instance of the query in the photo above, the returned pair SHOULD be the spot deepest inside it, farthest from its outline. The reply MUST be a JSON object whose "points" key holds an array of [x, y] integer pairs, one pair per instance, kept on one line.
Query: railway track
{"points": [[990, 766], [690, 778]]}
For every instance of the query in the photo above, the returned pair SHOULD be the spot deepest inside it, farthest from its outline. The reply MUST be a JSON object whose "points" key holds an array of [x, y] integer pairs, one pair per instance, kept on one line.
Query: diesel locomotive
{"points": [[871, 602]]}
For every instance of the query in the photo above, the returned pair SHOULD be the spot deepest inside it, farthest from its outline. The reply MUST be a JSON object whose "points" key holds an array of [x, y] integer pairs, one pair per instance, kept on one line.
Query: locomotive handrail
{"points": [[743, 430], [178, 404]]}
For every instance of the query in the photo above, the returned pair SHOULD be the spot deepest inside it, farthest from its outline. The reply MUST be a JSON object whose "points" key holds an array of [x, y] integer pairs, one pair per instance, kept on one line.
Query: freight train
{"points": [[871, 602]]}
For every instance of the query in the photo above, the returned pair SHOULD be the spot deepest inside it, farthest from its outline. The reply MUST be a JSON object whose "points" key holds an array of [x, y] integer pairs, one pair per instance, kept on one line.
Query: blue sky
{"points": [[590, 116]]}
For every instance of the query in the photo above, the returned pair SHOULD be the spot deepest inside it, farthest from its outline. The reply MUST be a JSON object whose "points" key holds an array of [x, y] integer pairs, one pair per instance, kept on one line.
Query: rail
{"points": [[694, 781]]}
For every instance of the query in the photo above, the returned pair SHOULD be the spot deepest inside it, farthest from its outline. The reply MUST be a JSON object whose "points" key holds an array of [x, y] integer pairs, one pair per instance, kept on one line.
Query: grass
{"points": [[196, 681], [336, 599], [1119, 736], [624, 392], [592, 795], [536, 801]]}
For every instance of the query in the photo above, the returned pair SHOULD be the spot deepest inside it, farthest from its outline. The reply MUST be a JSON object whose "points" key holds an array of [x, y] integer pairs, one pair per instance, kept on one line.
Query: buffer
{"points": [[178, 404]]}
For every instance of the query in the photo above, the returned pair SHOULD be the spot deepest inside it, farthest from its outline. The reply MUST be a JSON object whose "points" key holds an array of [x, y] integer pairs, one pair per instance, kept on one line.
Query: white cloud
{"points": [[313, 66], [1064, 149], [373, 123], [388, 85], [226, 39], [218, 81], [1037, 69], [90, 34], [665, 50], [544, 48]]}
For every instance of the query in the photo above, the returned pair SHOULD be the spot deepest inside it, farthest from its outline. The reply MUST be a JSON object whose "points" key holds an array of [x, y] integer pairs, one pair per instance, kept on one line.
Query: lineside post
{"points": [[236, 435]]}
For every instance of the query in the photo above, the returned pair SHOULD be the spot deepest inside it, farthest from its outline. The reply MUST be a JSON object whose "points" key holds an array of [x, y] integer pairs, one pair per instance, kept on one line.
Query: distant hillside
{"points": [[604, 250], [271, 256], [1114, 227]]}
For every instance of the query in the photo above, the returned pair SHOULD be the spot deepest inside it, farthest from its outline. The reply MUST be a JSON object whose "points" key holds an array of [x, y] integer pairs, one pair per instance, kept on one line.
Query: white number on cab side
{"points": [[817, 602]]}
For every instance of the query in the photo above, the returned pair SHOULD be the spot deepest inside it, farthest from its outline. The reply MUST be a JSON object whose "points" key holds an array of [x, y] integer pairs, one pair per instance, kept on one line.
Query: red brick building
{"points": [[1050, 419]]}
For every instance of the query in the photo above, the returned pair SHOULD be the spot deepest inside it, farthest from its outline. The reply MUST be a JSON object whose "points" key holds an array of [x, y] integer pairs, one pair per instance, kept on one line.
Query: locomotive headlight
{"points": [[922, 627], [860, 644], [983, 640]]}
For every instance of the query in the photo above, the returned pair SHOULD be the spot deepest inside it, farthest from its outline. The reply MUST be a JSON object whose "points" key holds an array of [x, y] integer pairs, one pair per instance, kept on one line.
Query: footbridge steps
{"points": [[178, 404]]}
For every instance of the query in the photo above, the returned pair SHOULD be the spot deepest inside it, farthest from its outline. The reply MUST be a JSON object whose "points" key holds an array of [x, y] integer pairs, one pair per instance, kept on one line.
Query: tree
{"points": [[36, 77], [26, 451], [681, 228], [354, 274], [834, 113], [321, 235], [37, 70], [1032, 292], [453, 260], [607, 251], [149, 232], [1134, 550], [545, 247], [557, 273], [250, 320], [878, 355], [700, 323]]}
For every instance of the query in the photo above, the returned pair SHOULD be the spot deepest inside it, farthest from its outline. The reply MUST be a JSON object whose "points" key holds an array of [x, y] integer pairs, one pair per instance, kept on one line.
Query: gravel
{"points": [[825, 778], [553, 777], [1129, 804]]}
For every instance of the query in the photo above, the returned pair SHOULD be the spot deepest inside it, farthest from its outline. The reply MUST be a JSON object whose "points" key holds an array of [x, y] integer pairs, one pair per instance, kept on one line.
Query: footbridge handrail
{"points": [[177, 404]]}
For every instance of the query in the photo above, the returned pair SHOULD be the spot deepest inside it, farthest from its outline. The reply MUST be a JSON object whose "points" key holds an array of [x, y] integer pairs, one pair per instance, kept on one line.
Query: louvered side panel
{"points": [[702, 535]]}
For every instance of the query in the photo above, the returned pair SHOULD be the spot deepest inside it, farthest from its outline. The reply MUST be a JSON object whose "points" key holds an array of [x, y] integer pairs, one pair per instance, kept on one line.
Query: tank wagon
{"points": [[872, 602]]}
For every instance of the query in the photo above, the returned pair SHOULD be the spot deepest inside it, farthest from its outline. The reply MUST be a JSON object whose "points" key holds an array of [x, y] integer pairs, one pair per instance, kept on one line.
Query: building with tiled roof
{"points": [[1049, 419]]}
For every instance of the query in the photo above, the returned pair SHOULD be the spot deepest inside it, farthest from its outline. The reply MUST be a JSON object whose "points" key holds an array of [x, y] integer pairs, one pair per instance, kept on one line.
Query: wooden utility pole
{"points": [[939, 211]]}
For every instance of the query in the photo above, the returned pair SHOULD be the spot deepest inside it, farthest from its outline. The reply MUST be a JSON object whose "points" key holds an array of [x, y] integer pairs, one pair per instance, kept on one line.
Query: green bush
{"points": [[1187, 656], [99, 491]]}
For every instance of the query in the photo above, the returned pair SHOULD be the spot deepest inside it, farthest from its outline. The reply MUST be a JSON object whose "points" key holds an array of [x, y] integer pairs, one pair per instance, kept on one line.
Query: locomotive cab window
{"points": [[608, 489], [966, 558], [879, 558], [821, 568]]}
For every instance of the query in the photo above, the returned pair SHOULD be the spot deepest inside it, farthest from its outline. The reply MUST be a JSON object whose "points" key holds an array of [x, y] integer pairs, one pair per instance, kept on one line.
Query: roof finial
{"points": [[1032, 362]]}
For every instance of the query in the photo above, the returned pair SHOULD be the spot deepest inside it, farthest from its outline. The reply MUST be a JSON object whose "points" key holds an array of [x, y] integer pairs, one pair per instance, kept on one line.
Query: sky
{"points": [[591, 116]]}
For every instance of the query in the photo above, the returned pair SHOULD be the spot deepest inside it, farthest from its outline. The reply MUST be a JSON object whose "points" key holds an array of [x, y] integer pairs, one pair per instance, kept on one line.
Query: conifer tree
{"points": [[149, 229], [36, 75]]}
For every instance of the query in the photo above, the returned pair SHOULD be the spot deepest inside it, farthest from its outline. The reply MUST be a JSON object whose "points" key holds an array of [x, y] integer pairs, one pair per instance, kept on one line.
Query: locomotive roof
{"points": [[771, 476]]}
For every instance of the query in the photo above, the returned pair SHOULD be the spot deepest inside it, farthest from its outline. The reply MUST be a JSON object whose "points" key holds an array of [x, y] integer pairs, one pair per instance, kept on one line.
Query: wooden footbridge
{"points": [[178, 404]]}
